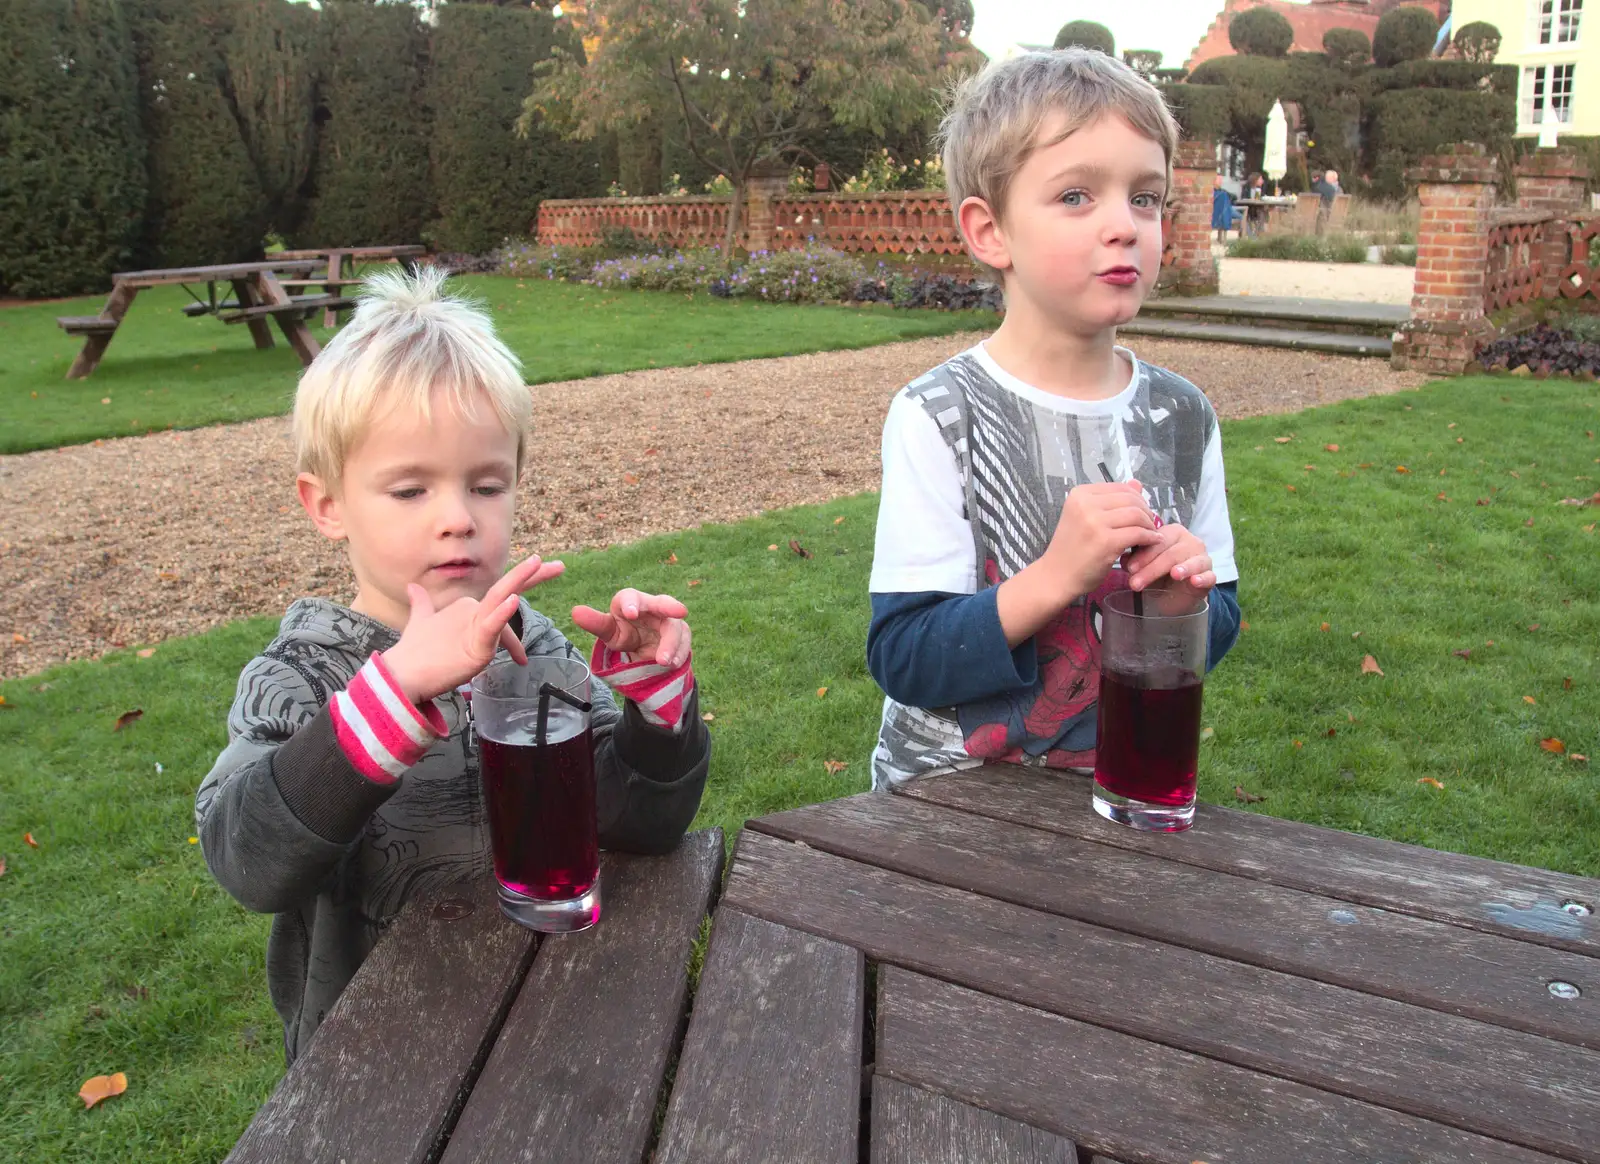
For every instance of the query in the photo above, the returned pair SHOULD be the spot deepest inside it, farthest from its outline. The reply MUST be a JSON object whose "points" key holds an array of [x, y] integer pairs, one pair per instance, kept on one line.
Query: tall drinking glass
{"points": [[536, 754], [1152, 668]]}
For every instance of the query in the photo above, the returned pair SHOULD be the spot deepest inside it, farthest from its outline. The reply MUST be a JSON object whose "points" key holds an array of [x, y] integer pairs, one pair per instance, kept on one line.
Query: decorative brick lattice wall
{"points": [[904, 223]]}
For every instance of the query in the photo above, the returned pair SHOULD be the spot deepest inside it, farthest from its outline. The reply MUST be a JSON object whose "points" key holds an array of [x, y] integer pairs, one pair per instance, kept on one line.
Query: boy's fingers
{"points": [[509, 640], [598, 623], [421, 604], [626, 603], [525, 575], [665, 605], [490, 621], [673, 647]]}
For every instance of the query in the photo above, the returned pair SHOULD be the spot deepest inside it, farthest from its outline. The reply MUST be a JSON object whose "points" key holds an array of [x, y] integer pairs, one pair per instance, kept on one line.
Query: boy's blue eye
{"points": [[1147, 201], [406, 494], [491, 490], [1074, 198]]}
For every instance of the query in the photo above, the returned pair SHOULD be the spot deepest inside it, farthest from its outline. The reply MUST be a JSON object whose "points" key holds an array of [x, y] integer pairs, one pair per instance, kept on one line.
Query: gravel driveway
{"points": [[140, 539]]}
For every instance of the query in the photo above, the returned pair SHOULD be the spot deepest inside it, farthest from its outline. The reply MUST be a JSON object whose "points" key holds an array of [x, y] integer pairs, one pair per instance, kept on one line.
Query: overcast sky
{"points": [[1173, 27]]}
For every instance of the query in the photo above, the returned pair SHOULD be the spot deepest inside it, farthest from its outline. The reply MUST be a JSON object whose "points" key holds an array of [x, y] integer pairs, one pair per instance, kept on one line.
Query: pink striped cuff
{"points": [[660, 692], [381, 732]]}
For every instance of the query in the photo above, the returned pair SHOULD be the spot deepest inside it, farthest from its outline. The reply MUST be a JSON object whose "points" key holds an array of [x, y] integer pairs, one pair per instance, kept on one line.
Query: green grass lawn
{"points": [[121, 954], [165, 370]]}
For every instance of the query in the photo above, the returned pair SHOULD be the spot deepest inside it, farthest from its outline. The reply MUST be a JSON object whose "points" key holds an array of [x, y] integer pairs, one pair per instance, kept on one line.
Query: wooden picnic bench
{"points": [[980, 969], [341, 267], [258, 295]]}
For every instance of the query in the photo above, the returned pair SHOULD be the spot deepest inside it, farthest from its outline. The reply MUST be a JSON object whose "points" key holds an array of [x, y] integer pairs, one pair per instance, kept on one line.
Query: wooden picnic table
{"points": [[258, 296], [341, 267], [981, 969]]}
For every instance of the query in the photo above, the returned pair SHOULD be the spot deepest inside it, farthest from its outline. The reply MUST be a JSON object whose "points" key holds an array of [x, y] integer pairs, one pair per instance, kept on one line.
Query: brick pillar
{"points": [[1552, 181], [1191, 270], [765, 187], [1457, 190]]}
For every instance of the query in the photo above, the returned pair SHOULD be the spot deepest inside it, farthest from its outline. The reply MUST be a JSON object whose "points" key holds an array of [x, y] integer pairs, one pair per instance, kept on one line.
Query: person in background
{"points": [[1221, 210], [1255, 217]]}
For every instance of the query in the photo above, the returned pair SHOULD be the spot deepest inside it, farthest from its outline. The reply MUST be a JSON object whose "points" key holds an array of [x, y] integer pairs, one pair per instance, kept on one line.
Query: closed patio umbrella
{"points": [[1275, 161]]}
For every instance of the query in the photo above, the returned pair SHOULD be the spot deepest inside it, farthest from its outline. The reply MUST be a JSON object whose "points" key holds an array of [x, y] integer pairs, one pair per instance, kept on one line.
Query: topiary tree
{"points": [[1478, 42], [205, 202], [487, 181], [1348, 47], [1260, 32], [1404, 34], [272, 59], [368, 186], [1087, 34], [1145, 62], [72, 178]]}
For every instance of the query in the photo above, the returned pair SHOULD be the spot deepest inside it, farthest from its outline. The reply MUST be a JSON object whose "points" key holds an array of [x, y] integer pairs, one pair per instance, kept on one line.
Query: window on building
{"points": [[1547, 94], [1557, 21]]}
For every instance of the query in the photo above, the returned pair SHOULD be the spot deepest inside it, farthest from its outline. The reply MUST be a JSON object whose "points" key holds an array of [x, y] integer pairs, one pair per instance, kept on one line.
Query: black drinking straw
{"points": [[1138, 599], [547, 691]]}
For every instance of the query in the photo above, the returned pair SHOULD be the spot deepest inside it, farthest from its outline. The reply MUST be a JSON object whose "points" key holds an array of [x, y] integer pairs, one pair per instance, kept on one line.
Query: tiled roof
{"points": [[1309, 21]]}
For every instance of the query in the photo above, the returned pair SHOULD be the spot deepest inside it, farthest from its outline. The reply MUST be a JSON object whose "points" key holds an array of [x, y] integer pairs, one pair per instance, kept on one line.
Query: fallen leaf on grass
{"points": [[1429, 780], [1206, 734], [1594, 499], [1365, 465], [16, 638], [1488, 642], [1310, 468], [102, 1087], [1369, 666], [773, 546], [1530, 699], [28, 837], [1283, 440], [194, 840], [630, 478], [1589, 528], [1450, 425], [1355, 634], [1247, 797], [1533, 626], [1552, 745], [1441, 497], [1401, 469], [1578, 758], [821, 691], [1529, 522], [126, 718], [834, 767], [838, 521], [1332, 732], [146, 653], [694, 581], [1566, 684], [1483, 501], [1464, 653], [1244, 624], [671, 559], [1325, 626], [2, 866], [1330, 448], [4, 704], [1298, 744], [708, 717], [1291, 488], [795, 545]]}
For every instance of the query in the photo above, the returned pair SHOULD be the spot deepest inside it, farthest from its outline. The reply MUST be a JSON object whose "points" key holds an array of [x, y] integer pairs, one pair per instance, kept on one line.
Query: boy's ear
{"points": [[320, 505], [980, 226]]}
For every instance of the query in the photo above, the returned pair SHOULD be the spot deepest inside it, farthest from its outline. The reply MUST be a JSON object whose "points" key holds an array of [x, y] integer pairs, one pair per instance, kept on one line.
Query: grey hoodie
{"points": [[290, 827]]}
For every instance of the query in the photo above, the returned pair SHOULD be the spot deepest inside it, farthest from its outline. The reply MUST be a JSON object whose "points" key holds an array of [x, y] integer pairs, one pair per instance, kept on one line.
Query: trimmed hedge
{"points": [[272, 63], [72, 181], [1404, 34], [205, 203], [1261, 32], [487, 182], [368, 186], [1406, 124], [1088, 34]]}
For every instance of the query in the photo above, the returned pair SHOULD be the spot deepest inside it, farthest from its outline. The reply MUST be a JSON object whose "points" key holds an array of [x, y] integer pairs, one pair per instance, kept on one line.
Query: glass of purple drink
{"points": [[1152, 668], [536, 755]]}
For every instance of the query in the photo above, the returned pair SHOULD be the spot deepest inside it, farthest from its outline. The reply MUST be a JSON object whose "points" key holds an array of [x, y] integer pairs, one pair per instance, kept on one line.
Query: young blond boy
{"points": [[1018, 474], [349, 783]]}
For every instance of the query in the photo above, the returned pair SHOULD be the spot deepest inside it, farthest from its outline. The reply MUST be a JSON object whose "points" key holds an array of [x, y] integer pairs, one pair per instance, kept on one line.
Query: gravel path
{"points": [[1361, 282], [140, 539]]}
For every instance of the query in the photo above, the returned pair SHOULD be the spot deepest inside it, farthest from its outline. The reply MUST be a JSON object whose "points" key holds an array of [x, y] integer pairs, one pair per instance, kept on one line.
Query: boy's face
{"points": [[430, 503], [1081, 231]]}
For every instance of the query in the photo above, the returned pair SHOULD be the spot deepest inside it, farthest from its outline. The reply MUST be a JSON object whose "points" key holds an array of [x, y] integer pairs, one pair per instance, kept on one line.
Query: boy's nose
{"points": [[1119, 224], [455, 518]]}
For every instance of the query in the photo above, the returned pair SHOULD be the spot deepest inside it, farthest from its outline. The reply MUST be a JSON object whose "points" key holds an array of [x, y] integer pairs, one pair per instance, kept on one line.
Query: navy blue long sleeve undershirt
{"points": [[934, 649]]}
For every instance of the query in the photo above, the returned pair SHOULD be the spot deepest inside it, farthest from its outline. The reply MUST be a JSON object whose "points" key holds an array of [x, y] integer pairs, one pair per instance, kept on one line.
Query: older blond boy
{"points": [[1026, 478], [348, 783]]}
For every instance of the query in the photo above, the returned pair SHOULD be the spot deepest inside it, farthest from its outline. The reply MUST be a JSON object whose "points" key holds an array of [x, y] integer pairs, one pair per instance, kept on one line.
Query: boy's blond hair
{"points": [[995, 118], [407, 340]]}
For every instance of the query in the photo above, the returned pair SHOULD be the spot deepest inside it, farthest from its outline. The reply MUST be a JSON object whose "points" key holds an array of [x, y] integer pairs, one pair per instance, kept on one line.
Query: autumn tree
{"points": [[747, 78]]}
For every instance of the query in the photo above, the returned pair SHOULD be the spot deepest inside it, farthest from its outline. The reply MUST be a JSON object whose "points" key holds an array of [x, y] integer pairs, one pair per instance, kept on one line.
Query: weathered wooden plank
{"points": [[1486, 976], [160, 275], [913, 1126], [249, 298], [576, 1071], [292, 325], [397, 1054], [96, 343], [771, 1067], [1134, 1099], [1518, 901], [1502, 1083]]}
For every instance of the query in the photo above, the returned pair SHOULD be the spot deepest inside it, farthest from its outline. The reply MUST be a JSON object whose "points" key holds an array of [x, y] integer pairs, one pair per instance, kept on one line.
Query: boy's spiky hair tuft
{"points": [[408, 340]]}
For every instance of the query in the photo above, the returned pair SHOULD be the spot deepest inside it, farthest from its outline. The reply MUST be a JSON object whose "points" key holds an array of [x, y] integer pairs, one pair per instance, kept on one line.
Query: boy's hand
{"points": [[1098, 524], [1177, 554], [441, 649], [649, 627]]}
